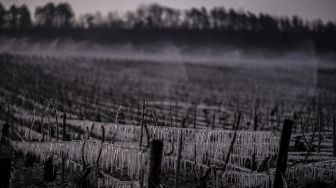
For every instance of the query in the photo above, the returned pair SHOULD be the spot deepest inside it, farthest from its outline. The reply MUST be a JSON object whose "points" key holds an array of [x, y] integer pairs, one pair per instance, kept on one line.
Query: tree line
{"points": [[50, 15], [218, 21]]}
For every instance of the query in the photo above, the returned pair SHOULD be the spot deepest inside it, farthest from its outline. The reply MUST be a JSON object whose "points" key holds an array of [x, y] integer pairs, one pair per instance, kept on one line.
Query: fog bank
{"points": [[162, 52]]}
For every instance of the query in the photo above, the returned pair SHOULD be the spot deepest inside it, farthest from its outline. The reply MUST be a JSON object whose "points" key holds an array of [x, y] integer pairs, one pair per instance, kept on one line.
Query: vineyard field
{"points": [[92, 120]]}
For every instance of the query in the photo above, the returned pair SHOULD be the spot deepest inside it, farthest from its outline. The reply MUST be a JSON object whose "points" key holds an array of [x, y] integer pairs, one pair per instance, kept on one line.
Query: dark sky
{"points": [[307, 9]]}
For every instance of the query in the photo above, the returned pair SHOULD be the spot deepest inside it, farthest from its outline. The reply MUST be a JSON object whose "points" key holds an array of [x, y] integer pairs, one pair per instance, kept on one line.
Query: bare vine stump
{"points": [[281, 164], [4, 134], [5, 172], [30, 160], [83, 181], [49, 170], [156, 150]]}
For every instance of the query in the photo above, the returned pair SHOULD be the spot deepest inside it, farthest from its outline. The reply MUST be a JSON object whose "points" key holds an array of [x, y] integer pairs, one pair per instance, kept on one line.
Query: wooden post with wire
{"points": [[334, 135], [5, 172], [63, 170], [142, 123], [63, 157], [64, 137], [281, 164], [49, 170], [155, 160], [178, 158]]}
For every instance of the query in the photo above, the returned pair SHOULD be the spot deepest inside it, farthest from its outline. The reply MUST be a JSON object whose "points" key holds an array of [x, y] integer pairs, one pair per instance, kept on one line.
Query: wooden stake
{"points": [[171, 117], [178, 158], [138, 112], [49, 170], [63, 170], [283, 154], [233, 141], [195, 116], [255, 120], [320, 123], [142, 123], [12, 122], [155, 160], [101, 146], [154, 117], [334, 134], [5, 172], [255, 127], [117, 114], [55, 112], [64, 128], [267, 117], [213, 121]]}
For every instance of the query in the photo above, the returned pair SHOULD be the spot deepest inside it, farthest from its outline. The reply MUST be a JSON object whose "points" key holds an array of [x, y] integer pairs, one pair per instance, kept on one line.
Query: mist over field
{"points": [[164, 52], [301, 67], [303, 64]]}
